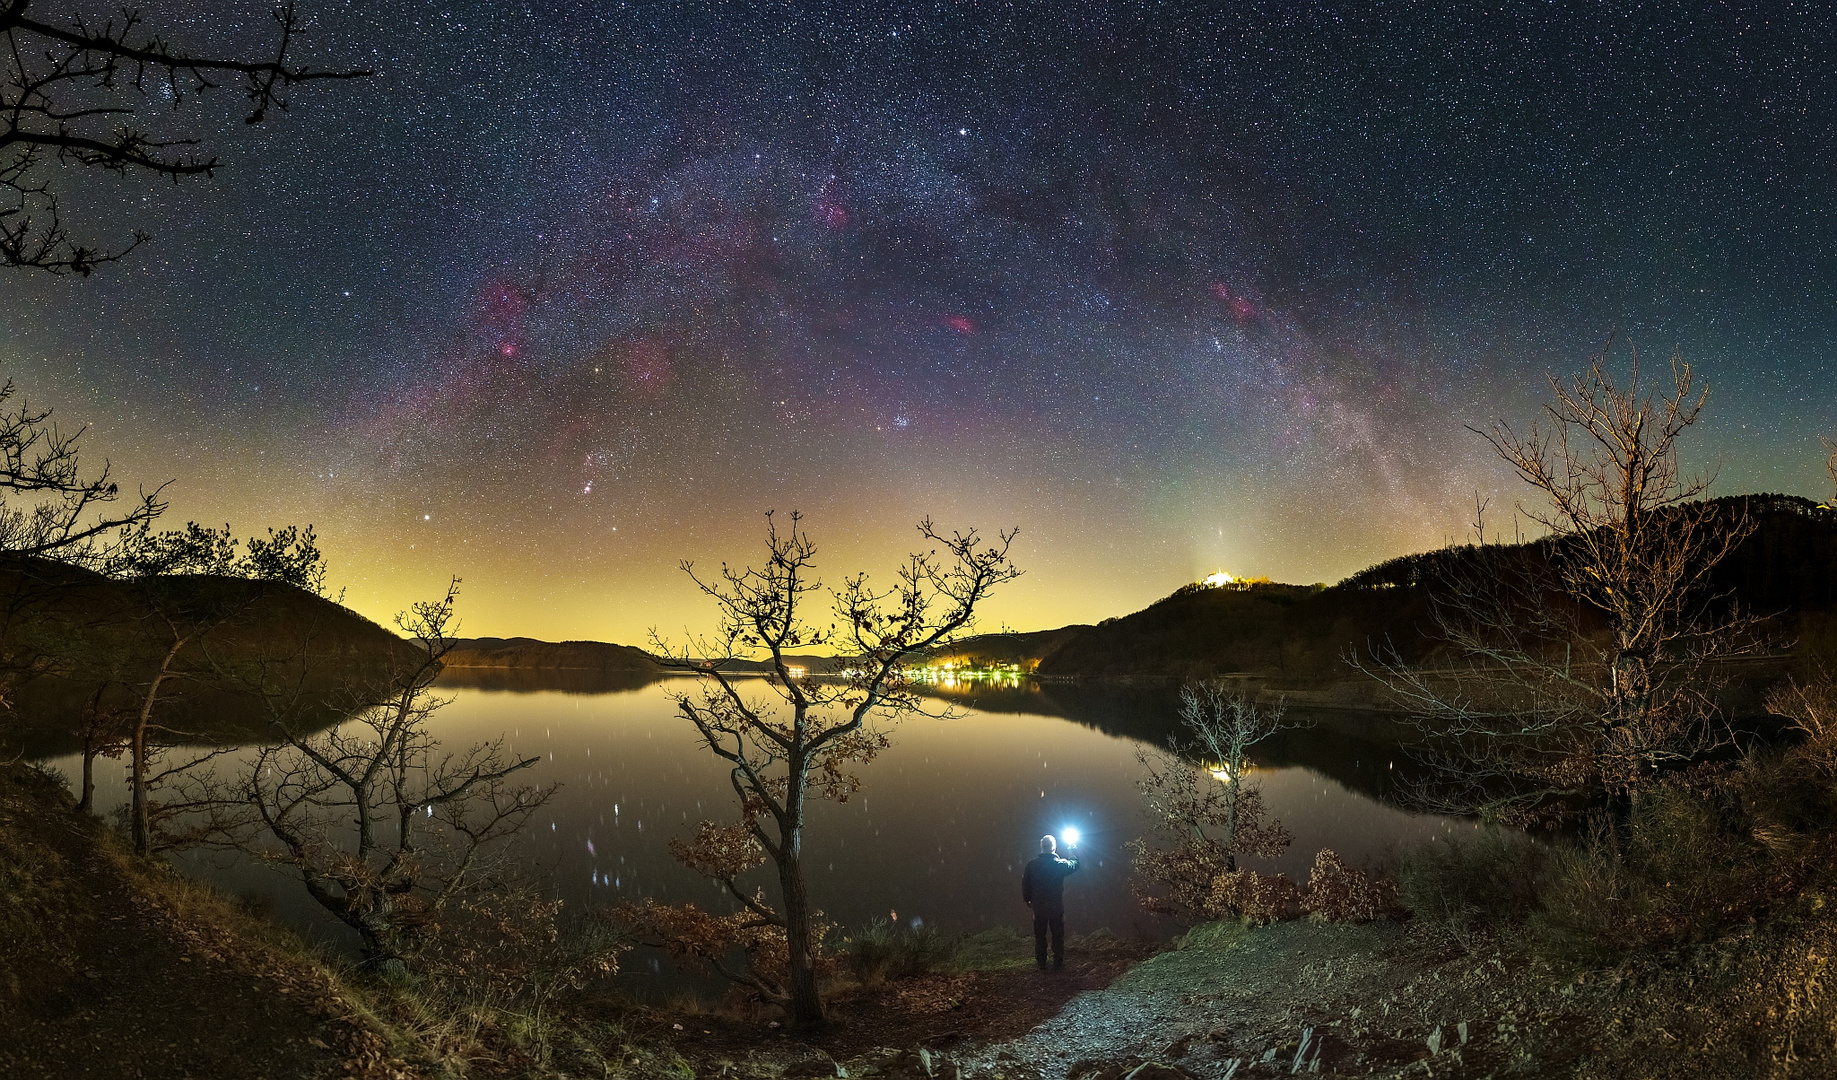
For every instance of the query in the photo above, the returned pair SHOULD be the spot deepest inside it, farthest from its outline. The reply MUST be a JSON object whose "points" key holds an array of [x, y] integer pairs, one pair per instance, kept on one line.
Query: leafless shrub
{"points": [[1206, 811], [1248, 895], [384, 827]]}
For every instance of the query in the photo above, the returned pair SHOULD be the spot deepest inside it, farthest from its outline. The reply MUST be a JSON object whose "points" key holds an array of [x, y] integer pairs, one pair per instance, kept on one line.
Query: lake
{"points": [[947, 818]]}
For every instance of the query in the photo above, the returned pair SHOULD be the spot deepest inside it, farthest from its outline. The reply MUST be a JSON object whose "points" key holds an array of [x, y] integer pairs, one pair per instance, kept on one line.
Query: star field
{"points": [[569, 292]]}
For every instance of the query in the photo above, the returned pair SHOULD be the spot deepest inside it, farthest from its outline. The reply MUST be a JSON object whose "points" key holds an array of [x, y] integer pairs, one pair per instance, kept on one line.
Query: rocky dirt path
{"points": [[1401, 1000], [1233, 1002]]}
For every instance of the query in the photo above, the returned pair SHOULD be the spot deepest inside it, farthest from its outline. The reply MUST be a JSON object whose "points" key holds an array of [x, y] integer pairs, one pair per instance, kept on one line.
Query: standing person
{"points": [[1043, 888]]}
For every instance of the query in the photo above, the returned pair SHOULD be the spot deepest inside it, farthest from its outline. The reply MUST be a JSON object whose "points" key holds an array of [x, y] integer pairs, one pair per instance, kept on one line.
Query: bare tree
{"points": [[101, 731], [1830, 462], [798, 743], [1204, 804], [1583, 665], [383, 827], [56, 519], [191, 583], [73, 89], [48, 508]]}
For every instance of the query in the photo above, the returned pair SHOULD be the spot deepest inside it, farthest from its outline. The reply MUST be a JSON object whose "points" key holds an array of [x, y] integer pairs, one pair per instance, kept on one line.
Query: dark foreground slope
{"points": [[113, 968]]}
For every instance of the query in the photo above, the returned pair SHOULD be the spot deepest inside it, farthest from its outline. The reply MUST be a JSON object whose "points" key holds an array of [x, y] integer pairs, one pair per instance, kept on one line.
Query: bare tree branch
{"points": [[69, 95], [382, 826], [1582, 665]]}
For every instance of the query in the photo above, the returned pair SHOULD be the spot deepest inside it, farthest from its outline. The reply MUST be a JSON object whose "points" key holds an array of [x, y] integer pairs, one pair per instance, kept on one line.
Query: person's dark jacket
{"points": [[1043, 883]]}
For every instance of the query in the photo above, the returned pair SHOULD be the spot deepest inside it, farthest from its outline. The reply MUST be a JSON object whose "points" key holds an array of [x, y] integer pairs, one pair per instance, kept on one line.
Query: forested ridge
{"points": [[1785, 571]]}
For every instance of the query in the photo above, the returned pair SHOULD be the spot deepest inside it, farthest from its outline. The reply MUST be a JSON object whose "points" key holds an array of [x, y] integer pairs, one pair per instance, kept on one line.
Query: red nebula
{"points": [[1241, 308], [829, 209], [962, 324]]}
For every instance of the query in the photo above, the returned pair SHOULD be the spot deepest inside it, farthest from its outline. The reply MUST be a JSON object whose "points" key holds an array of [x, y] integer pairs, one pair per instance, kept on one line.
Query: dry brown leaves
{"points": [[1338, 893], [929, 996]]}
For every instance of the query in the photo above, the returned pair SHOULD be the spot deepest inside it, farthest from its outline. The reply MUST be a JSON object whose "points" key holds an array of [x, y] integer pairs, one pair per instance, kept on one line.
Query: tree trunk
{"points": [[141, 826], [806, 1004], [87, 802], [137, 784]]}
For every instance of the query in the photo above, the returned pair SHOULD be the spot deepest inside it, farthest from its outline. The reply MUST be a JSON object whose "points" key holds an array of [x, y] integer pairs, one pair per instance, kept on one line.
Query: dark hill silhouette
{"points": [[1292, 639], [812, 665], [1299, 636], [102, 642], [529, 653], [523, 665], [1025, 649]]}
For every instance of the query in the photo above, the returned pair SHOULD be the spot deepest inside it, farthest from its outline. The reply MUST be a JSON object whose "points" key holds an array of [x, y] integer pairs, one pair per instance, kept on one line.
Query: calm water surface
{"points": [[947, 818]]}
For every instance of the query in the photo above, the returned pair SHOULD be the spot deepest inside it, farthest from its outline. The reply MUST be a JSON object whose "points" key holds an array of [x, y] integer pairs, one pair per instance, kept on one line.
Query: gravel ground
{"points": [[1401, 1000]]}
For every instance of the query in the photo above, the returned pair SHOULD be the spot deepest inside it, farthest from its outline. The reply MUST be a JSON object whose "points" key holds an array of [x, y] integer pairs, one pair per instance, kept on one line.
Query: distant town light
{"points": [[1218, 580]]}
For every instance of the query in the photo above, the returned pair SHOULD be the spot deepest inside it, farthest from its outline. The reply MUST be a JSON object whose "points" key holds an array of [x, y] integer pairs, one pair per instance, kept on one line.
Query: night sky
{"points": [[569, 292]]}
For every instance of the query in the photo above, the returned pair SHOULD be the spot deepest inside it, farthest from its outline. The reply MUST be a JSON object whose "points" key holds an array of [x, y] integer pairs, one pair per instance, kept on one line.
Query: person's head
{"points": [[1048, 845]]}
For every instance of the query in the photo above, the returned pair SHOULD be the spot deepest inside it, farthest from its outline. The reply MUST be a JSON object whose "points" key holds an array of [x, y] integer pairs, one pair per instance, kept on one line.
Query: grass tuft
{"points": [[881, 950], [1496, 875]]}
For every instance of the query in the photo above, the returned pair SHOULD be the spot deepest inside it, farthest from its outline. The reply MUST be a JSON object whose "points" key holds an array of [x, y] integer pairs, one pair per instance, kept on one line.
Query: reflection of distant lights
{"points": [[1221, 774]]}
